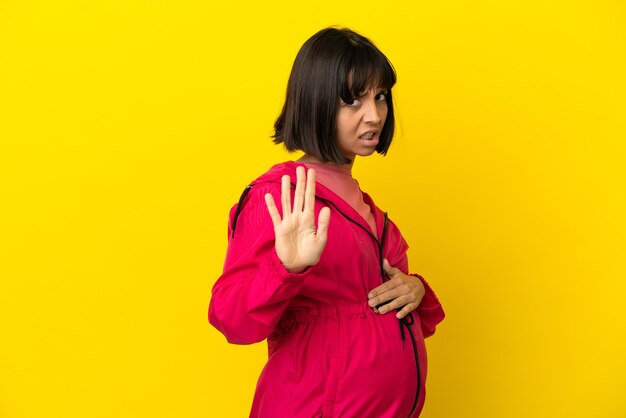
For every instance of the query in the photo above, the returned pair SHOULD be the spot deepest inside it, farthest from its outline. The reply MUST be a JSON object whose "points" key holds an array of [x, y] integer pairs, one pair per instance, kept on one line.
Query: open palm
{"points": [[299, 243]]}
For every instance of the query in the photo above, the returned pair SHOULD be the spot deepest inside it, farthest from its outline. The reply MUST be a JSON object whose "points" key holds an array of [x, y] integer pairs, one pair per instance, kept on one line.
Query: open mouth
{"points": [[368, 135]]}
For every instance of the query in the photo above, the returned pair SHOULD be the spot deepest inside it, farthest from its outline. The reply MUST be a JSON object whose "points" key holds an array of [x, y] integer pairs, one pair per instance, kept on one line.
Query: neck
{"points": [[306, 158]]}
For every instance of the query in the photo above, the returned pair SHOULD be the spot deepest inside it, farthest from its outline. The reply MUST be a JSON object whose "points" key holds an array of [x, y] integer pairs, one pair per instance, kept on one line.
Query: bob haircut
{"points": [[334, 64]]}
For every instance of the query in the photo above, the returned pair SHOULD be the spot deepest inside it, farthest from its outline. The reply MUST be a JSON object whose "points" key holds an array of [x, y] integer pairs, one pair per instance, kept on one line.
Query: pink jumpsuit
{"points": [[330, 355]]}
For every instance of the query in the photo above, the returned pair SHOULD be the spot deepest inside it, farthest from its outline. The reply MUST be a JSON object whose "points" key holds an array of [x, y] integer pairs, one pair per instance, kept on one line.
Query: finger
{"points": [[406, 310], [323, 221], [389, 270], [385, 287], [309, 196], [393, 293], [394, 304], [285, 195], [271, 207], [298, 199]]}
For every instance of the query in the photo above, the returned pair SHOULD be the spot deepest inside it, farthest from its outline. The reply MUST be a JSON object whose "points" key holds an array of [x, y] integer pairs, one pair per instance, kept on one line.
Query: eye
{"points": [[353, 102], [381, 97]]}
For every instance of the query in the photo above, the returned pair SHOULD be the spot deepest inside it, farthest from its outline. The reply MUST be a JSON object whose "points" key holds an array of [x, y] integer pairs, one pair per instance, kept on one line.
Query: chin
{"points": [[367, 153]]}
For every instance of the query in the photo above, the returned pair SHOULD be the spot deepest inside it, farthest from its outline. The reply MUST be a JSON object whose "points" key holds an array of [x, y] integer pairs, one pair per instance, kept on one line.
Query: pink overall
{"points": [[330, 355]]}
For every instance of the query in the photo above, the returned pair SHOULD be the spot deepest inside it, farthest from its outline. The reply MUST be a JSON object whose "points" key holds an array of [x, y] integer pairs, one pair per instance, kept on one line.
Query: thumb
{"points": [[322, 223], [391, 271]]}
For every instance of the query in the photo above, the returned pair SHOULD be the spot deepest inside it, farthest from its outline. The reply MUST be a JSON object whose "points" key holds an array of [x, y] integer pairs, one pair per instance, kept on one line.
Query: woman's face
{"points": [[360, 123]]}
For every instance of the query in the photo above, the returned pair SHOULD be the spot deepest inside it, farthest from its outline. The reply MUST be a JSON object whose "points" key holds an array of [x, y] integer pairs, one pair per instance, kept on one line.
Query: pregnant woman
{"points": [[314, 266]]}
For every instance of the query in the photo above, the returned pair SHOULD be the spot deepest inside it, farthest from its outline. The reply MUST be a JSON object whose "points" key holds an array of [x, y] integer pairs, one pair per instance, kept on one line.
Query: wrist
{"points": [[295, 269]]}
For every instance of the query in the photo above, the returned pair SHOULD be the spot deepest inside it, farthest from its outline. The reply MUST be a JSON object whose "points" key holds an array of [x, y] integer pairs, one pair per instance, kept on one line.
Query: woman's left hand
{"points": [[401, 291]]}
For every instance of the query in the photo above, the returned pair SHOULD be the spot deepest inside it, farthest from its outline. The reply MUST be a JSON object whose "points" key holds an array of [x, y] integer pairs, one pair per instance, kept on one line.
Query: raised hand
{"points": [[401, 291], [298, 243]]}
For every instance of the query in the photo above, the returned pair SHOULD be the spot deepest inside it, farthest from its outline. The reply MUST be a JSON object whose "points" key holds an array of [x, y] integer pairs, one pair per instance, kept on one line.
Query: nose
{"points": [[372, 113]]}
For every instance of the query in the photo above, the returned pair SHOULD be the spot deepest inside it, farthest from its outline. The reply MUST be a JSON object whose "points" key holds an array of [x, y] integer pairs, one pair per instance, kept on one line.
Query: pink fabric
{"points": [[330, 355], [340, 181]]}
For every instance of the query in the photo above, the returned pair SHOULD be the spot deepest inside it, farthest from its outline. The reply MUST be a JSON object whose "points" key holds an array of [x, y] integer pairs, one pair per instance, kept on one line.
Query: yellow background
{"points": [[128, 129]]}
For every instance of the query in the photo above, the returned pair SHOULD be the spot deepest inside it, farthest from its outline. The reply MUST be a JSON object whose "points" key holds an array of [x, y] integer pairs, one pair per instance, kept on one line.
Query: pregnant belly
{"points": [[344, 361]]}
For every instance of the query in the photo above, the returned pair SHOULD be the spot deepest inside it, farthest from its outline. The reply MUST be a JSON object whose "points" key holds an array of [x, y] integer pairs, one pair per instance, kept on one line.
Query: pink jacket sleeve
{"points": [[430, 311], [254, 289]]}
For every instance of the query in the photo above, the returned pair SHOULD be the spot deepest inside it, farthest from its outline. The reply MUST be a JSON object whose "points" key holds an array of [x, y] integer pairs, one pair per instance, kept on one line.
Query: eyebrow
{"points": [[378, 91]]}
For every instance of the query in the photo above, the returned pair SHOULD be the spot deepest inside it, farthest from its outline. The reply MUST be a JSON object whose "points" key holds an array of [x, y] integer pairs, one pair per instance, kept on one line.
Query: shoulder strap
{"points": [[239, 205]]}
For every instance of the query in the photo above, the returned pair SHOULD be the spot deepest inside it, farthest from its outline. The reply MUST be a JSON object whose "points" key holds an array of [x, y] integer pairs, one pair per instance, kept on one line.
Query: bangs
{"points": [[363, 69]]}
